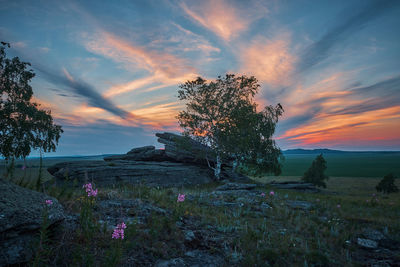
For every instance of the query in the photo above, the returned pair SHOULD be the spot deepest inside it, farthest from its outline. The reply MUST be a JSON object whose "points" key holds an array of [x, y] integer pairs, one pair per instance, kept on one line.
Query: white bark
{"points": [[234, 164], [217, 170]]}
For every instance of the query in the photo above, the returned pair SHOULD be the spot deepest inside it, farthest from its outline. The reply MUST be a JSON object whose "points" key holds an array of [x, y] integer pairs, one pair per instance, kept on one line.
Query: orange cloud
{"points": [[373, 125], [221, 17], [165, 69], [270, 61], [120, 50]]}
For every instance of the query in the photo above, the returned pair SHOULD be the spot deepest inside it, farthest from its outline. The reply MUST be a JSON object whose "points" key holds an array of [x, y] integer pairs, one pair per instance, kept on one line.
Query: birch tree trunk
{"points": [[217, 169], [234, 164]]}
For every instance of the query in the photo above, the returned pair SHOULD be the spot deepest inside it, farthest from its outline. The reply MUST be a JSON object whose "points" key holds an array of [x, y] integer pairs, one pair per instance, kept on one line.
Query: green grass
{"points": [[283, 237], [368, 164]]}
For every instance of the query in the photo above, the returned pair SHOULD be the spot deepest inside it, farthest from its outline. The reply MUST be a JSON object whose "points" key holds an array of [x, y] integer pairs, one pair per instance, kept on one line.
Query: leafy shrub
{"points": [[315, 174], [386, 185]]}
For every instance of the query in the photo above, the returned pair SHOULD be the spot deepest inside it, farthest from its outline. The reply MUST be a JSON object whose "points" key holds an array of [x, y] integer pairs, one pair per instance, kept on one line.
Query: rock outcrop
{"points": [[182, 162], [299, 186], [21, 215], [178, 148]]}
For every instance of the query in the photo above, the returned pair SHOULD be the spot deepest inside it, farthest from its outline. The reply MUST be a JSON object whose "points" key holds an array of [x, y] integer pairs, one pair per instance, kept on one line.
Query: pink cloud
{"points": [[269, 60], [121, 50], [222, 18]]}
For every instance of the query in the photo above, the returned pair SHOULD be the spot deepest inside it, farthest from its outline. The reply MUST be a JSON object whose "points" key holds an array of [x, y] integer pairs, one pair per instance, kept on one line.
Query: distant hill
{"points": [[330, 151], [312, 151]]}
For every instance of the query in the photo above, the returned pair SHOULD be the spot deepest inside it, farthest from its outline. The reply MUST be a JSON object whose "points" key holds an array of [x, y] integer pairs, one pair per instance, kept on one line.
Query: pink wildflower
{"points": [[119, 231], [49, 202], [338, 206], [263, 194], [272, 193], [181, 198], [89, 190]]}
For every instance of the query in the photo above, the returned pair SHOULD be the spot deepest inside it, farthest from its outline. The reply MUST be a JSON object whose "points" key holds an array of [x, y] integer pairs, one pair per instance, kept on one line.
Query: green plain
{"points": [[349, 164]]}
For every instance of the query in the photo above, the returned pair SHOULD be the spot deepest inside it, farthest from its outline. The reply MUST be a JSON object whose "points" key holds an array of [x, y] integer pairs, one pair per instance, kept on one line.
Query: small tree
{"points": [[386, 185], [315, 174], [222, 115], [23, 126]]}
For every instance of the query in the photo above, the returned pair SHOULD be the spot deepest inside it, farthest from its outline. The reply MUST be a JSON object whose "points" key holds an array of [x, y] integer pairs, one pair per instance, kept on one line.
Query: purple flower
{"points": [[338, 206], [263, 194], [181, 198], [23, 167], [119, 231], [89, 190], [49, 202], [272, 193]]}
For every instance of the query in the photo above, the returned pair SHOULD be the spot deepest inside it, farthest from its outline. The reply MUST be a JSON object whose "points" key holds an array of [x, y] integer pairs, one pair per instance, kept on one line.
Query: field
{"points": [[364, 164]]}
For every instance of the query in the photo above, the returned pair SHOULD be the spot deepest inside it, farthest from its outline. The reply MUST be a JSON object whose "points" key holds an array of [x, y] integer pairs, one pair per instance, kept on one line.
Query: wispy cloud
{"points": [[270, 60], [120, 50], [324, 47], [336, 116], [222, 17], [83, 89], [164, 69]]}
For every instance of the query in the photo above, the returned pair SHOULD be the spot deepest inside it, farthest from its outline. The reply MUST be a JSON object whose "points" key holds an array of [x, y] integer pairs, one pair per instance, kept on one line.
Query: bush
{"points": [[386, 185], [315, 174]]}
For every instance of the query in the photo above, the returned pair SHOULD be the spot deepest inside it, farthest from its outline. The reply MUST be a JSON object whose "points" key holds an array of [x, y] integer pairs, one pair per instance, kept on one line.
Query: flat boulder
{"points": [[21, 215], [235, 186], [146, 153], [163, 174], [299, 186]]}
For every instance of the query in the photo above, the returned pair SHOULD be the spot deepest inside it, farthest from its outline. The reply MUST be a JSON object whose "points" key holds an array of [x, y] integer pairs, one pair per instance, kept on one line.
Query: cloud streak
{"points": [[164, 69], [83, 89], [222, 18], [322, 49], [334, 117]]}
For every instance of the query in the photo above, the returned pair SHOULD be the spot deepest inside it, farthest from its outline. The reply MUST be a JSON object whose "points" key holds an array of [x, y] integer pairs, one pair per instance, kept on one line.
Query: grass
{"points": [[280, 237]]}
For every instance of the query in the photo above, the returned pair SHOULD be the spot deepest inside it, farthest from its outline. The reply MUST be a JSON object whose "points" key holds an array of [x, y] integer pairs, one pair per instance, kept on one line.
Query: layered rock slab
{"points": [[165, 174], [21, 215], [184, 161]]}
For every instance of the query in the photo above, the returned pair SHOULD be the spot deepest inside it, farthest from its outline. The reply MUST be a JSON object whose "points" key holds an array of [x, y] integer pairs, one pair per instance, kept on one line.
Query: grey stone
{"points": [[164, 174], [180, 163], [373, 234], [235, 186], [140, 150], [189, 235], [300, 186], [177, 262], [297, 204], [367, 243], [21, 215]]}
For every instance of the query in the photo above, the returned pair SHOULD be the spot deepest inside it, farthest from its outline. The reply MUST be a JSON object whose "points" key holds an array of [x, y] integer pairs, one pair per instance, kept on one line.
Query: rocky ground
{"points": [[204, 230]]}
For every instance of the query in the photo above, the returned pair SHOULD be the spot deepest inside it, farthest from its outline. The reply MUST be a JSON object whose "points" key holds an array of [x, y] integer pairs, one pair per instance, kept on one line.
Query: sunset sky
{"points": [[109, 70]]}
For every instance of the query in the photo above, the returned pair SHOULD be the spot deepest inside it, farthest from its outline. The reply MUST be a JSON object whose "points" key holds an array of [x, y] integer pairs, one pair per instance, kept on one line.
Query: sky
{"points": [[109, 71]]}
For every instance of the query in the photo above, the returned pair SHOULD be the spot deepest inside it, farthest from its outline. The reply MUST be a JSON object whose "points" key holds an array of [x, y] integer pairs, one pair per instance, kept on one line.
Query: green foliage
{"points": [[23, 126], [386, 185], [222, 114], [316, 173]]}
